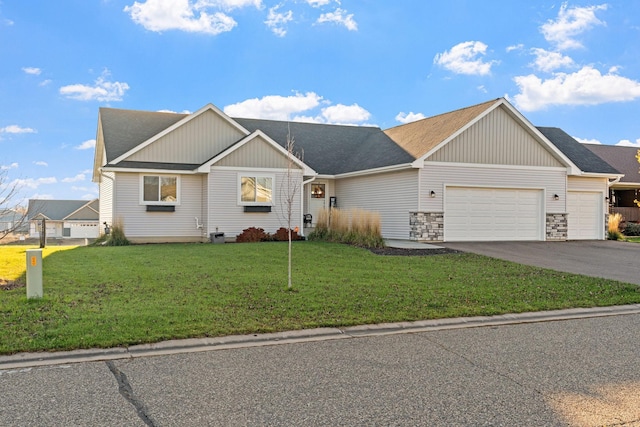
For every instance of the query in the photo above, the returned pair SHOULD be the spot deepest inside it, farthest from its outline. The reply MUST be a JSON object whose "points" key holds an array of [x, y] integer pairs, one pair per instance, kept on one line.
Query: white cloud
{"points": [[90, 143], [45, 82], [38, 196], [79, 177], [464, 58], [274, 107], [41, 163], [32, 183], [571, 22], [318, 3], [584, 87], [162, 15], [340, 17], [627, 143], [13, 165], [519, 46], [15, 129], [228, 4], [277, 20], [103, 90], [587, 141], [549, 61], [408, 118], [32, 70], [345, 114]]}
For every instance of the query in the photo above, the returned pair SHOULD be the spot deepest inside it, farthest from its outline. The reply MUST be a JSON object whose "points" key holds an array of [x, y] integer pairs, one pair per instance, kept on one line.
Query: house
{"points": [[479, 173], [12, 220], [622, 193], [64, 218]]}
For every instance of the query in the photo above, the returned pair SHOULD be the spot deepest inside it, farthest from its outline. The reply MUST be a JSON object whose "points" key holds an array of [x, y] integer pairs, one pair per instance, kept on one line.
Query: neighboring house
{"points": [[479, 173], [623, 192], [64, 218], [13, 220]]}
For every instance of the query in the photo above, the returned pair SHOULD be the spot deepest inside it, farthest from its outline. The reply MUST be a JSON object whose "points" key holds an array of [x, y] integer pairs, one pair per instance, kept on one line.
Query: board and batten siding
{"points": [[227, 216], [496, 139], [140, 225], [393, 195], [256, 153], [194, 142], [106, 198], [437, 177]]}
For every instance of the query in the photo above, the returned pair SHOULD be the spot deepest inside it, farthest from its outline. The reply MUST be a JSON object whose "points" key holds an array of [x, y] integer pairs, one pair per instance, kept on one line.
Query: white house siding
{"points": [[496, 139], [393, 195], [195, 142], [82, 229], [227, 216], [577, 183], [256, 153], [106, 198], [142, 226]]}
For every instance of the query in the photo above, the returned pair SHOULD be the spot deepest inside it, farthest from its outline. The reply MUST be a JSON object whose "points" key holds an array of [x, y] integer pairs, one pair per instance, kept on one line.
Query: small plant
{"points": [[632, 229], [613, 227], [116, 236], [252, 234], [282, 235]]}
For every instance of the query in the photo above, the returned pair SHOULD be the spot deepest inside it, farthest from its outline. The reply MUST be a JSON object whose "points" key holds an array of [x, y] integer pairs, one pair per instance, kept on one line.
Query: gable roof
{"points": [[421, 136], [59, 210], [334, 149], [587, 161], [622, 158]]}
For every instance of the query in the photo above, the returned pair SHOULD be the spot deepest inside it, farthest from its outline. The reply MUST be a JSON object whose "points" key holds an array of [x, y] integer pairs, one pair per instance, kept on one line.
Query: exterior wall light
{"points": [[556, 197], [432, 194]]}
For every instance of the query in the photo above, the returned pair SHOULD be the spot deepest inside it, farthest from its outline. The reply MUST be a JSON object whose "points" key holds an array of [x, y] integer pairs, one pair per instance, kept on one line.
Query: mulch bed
{"points": [[413, 252], [6, 285]]}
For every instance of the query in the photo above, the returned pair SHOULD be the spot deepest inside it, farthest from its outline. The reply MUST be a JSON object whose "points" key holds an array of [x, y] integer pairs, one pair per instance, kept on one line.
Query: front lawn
{"points": [[116, 296]]}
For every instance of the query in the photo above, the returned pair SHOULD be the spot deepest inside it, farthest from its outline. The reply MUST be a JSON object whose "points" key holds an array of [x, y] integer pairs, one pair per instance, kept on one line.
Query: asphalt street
{"points": [[580, 372]]}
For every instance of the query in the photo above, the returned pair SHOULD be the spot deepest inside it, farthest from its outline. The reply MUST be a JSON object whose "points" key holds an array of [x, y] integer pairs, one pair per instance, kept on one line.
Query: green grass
{"points": [[635, 239], [114, 296]]}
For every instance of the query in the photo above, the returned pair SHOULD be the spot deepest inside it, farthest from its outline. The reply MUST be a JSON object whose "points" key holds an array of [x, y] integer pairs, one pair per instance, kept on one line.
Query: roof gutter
{"points": [[393, 168]]}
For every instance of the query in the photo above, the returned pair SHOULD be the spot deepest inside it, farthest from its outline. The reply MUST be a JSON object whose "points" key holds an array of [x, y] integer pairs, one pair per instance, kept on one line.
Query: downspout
{"points": [[302, 201]]}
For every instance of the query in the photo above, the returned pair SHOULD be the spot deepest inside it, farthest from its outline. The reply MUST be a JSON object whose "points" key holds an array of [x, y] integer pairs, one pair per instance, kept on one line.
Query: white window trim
{"points": [[145, 202], [250, 174]]}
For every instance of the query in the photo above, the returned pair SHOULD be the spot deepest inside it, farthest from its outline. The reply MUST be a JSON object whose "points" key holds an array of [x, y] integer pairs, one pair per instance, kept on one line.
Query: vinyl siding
{"points": [[437, 176], [83, 214], [256, 153], [195, 142], [588, 184], [140, 224], [496, 139], [393, 195], [106, 198], [226, 215]]}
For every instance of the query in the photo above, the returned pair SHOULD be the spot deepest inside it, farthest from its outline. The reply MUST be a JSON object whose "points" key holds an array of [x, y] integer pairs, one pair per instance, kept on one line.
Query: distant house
{"points": [[64, 218], [622, 193], [13, 221], [479, 173]]}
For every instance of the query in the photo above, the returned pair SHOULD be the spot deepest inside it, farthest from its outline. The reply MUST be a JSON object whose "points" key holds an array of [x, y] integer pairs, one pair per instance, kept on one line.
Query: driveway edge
{"points": [[194, 345]]}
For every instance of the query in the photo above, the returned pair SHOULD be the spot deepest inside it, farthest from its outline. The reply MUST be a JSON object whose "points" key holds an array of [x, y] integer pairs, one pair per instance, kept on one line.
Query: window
{"points": [[158, 189], [256, 189]]}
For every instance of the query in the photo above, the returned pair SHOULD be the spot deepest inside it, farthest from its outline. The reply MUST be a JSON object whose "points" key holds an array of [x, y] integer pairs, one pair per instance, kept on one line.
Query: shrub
{"points": [[282, 235], [116, 236], [632, 229], [613, 224], [252, 234], [356, 227]]}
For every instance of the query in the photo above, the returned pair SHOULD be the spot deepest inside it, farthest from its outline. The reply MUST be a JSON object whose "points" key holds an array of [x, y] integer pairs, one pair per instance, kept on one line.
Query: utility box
{"points": [[34, 273], [216, 237]]}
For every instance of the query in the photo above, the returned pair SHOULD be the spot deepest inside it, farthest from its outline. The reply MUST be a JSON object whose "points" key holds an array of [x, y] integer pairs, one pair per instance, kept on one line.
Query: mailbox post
{"points": [[34, 273]]}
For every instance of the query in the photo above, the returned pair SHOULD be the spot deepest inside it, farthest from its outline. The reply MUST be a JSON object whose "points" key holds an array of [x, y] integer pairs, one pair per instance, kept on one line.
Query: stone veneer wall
{"points": [[557, 226], [426, 226]]}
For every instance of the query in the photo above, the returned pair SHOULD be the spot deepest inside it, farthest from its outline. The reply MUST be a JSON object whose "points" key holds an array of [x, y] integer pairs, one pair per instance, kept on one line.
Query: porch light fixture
{"points": [[432, 194], [556, 197]]}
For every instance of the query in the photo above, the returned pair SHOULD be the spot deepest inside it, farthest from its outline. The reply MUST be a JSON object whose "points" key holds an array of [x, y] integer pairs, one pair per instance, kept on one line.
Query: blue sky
{"points": [[573, 65]]}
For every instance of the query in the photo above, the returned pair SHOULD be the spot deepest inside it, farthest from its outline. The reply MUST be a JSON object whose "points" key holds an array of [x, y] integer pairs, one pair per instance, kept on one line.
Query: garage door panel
{"points": [[486, 214], [585, 215]]}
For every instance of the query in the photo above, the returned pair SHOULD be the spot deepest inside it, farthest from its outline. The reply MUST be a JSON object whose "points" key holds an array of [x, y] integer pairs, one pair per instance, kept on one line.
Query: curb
{"points": [[194, 345]]}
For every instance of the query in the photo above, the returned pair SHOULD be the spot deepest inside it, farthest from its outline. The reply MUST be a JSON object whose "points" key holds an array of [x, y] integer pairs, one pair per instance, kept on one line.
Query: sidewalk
{"points": [[193, 345]]}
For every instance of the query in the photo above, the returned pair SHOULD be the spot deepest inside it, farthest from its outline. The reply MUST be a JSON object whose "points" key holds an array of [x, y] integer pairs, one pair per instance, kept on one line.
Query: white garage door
{"points": [[585, 221], [486, 214]]}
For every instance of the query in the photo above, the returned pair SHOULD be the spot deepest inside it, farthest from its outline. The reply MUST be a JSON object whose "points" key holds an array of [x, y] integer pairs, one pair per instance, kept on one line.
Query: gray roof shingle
{"points": [[57, 210], [577, 152], [622, 158]]}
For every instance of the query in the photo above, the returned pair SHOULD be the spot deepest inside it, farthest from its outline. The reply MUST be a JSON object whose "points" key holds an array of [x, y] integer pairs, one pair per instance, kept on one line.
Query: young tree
{"points": [[289, 190], [10, 208], [637, 201]]}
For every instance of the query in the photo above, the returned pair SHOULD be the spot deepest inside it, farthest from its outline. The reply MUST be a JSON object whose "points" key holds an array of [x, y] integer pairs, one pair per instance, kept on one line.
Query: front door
{"points": [[318, 201]]}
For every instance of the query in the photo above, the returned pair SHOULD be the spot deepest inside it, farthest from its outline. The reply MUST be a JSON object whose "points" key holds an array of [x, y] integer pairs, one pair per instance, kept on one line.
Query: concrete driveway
{"points": [[599, 258]]}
